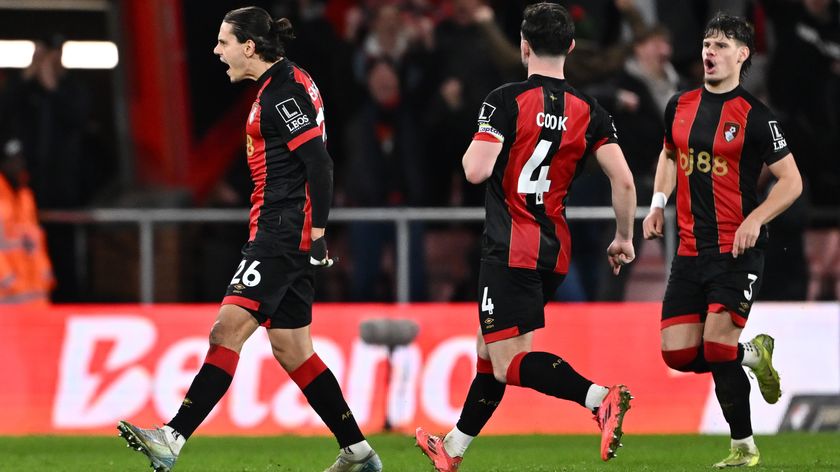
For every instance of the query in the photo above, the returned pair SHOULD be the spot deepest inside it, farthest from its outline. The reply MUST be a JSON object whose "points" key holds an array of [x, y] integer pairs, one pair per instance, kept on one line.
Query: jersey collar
{"points": [[272, 71], [722, 96], [544, 79]]}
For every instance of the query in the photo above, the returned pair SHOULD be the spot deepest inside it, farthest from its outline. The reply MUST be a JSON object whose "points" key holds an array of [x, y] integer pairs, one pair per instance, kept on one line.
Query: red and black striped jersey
{"points": [[546, 128], [720, 142], [287, 112]]}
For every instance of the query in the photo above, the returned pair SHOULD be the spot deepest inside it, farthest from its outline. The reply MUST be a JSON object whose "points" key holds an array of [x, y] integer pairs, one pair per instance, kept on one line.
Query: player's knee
{"points": [[291, 359], [717, 352], [679, 359], [500, 368], [220, 335]]}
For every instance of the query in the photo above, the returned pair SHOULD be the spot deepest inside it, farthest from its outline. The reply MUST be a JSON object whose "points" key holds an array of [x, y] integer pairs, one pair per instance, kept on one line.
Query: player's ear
{"points": [[571, 46], [249, 47], [524, 51], [743, 54]]}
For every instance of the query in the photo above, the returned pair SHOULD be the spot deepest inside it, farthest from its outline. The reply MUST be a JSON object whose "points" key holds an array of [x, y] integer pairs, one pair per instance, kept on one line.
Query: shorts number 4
{"points": [[486, 302]]}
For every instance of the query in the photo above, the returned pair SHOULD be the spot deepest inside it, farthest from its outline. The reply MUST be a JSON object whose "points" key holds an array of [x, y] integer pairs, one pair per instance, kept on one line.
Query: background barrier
{"points": [[80, 369]]}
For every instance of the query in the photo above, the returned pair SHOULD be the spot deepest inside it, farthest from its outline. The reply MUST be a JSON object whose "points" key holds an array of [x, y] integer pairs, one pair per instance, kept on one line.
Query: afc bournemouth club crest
{"points": [[730, 131]]}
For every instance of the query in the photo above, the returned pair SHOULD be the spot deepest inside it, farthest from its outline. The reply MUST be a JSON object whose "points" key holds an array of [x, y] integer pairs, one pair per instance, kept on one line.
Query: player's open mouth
{"points": [[709, 66]]}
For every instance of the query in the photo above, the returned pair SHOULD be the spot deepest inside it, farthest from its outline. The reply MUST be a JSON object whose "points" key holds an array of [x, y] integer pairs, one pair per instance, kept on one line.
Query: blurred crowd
{"points": [[403, 81]]}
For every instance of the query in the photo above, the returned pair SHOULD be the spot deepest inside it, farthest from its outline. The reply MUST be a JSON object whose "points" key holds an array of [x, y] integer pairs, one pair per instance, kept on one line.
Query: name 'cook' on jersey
{"points": [[287, 112], [546, 128]]}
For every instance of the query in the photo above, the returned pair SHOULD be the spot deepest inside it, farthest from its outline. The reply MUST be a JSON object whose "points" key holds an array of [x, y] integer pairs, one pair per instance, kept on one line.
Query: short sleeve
{"points": [[293, 115], [601, 127], [766, 137], [670, 113], [493, 119]]}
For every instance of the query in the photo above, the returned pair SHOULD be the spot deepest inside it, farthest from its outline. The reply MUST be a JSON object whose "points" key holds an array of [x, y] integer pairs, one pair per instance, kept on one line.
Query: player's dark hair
{"points": [[737, 28], [270, 36], [548, 28]]}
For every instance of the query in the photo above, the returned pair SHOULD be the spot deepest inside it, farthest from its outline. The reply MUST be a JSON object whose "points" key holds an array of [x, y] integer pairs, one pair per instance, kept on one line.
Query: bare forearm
{"points": [[666, 175], [624, 205]]}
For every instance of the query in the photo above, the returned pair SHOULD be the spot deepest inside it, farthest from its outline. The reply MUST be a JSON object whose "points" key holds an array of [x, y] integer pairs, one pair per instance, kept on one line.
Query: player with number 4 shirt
{"points": [[717, 138], [533, 137]]}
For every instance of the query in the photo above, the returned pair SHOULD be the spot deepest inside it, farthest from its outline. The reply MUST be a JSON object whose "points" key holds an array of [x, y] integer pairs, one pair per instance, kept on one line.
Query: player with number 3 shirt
{"points": [[532, 139], [717, 138]]}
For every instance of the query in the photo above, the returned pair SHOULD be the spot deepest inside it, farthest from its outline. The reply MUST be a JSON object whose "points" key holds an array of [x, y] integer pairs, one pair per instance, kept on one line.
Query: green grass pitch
{"points": [[784, 452]]}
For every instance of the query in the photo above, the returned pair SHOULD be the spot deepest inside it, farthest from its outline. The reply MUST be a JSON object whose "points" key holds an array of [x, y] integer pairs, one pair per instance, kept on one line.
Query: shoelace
{"points": [[737, 453]]}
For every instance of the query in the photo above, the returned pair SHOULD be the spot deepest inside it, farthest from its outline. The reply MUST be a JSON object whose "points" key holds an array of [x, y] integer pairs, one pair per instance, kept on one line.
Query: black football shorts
{"points": [[511, 301], [277, 291], [703, 284]]}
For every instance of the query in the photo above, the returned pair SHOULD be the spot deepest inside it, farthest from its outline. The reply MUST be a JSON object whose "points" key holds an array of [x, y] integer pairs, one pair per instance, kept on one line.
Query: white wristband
{"points": [[658, 201]]}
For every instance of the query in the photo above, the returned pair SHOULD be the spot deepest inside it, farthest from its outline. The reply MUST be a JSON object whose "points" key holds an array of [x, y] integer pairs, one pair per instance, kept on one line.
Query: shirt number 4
{"points": [[542, 184]]}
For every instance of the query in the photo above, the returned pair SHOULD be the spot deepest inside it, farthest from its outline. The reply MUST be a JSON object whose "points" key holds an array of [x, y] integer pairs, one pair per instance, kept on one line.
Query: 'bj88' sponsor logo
{"points": [[703, 162]]}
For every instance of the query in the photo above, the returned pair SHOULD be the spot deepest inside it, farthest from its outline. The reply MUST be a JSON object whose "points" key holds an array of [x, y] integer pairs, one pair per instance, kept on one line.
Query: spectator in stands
{"points": [[384, 167], [600, 50], [321, 52], [804, 85], [25, 270], [597, 57], [471, 57], [636, 98], [403, 40], [51, 110]]}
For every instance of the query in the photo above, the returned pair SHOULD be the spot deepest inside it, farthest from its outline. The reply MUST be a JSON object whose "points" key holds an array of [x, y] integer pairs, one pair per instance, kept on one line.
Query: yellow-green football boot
{"points": [[767, 376], [740, 456]]}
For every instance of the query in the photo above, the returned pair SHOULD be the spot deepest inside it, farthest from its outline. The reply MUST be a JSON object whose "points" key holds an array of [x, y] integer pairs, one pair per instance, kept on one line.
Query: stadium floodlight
{"points": [[16, 53], [89, 55]]}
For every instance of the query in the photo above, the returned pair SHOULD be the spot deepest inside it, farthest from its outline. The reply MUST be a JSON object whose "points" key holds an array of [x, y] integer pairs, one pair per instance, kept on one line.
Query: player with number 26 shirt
{"points": [[273, 285], [532, 139]]}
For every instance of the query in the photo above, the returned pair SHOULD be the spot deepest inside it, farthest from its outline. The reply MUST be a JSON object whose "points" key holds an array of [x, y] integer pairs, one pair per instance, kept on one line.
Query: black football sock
{"points": [[321, 389], [207, 388], [732, 388], [548, 374], [484, 396], [699, 365]]}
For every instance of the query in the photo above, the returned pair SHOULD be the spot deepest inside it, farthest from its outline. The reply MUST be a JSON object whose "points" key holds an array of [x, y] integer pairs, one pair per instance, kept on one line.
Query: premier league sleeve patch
{"points": [[779, 141], [486, 112], [292, 115]]}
